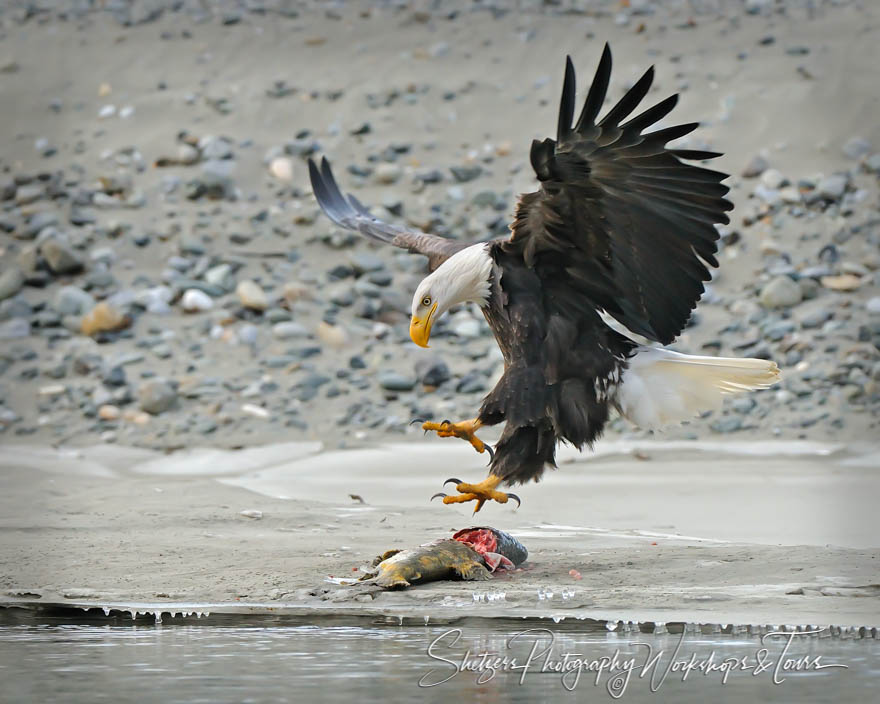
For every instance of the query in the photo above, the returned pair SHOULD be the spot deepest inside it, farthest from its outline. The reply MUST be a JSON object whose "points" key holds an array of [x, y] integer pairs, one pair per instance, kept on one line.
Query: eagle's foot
{"points": [[481, 493], [466, 430]]}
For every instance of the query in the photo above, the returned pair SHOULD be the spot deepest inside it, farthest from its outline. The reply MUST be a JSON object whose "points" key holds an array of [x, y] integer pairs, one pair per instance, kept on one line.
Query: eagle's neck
{"points": [[466, 276]]}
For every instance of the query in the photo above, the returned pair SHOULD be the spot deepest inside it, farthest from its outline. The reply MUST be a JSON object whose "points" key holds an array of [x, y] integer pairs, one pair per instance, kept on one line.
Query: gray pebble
{"points": [[72, 300], [781, 292], [832, 187], [387, 173], [60, 257], [463, 174], [14, 329], [36, 223], [395, 381], [11, 282], [215, 148], [728, 424], [114, 376], [432, 371], [365, 262], [288, 330], [156, 396]]}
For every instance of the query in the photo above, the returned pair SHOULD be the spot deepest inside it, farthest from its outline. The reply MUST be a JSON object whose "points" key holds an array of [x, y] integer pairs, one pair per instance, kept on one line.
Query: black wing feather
{"points": [[633, 223], [350, 214]]}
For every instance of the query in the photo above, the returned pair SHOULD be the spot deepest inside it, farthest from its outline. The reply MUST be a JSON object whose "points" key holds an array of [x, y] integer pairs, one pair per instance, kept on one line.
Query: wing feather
{"points": [[350, 214], [627, 221]]}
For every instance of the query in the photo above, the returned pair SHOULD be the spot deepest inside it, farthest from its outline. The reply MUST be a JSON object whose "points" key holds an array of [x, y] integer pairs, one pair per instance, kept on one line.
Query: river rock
{"points": [[288, 330], [72, 300], [195, 301], [251, 295], [104, 317], [387, 174], [281, 167], [781, 292], [60, 257], [432, 371], [396, 381], [832, 187], [11, 282], [156, 397]]}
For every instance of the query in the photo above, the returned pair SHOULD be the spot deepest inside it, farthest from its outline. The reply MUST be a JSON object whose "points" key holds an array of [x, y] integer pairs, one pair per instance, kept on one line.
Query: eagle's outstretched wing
{"points": [[628, 222], [349, 213]]}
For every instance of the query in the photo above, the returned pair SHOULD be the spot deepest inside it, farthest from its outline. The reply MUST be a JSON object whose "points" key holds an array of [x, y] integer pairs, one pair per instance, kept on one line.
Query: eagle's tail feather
{"points": [[662, 387]]}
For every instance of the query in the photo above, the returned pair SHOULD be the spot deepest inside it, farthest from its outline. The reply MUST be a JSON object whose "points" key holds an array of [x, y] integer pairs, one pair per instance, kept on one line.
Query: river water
{"points": [[77, 658]]}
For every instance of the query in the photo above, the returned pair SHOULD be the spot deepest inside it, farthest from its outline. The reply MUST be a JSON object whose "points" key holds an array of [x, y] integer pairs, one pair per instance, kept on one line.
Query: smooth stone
{"points": [[281, 167], [187, 154], [36, 223], [332, 335], [781, 292], [728, 424], [221, 276], [277, 315], [72, 300], [156, 396], [872, 305], [60, 257], [365, 262], [28, 259], [832, 187], [188, 244], [772, 178], [288, 330], [251, 295], [15, 308], [217, 177], [15, 328], [463, 174], [195, 301], [29, 193], [432, 371], [104, 317], [215, 148], [395, 381], [11, 282], [115, 376], [387, 174]]}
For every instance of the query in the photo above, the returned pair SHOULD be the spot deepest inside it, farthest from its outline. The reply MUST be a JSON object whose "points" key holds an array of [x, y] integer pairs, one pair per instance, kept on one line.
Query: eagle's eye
{"points": [[426, 301]]}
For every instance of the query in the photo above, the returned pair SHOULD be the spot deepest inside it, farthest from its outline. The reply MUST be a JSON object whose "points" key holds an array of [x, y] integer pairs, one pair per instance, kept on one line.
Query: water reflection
{"points": [[54, 659]]}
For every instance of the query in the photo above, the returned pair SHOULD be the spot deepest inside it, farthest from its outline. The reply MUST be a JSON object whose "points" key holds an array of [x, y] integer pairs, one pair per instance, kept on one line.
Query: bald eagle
{"points": [[621, 226]]}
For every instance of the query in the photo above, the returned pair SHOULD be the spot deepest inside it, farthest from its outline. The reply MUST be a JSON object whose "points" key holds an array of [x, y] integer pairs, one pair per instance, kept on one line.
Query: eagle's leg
{"points": [[466, 430], [481, 493]]}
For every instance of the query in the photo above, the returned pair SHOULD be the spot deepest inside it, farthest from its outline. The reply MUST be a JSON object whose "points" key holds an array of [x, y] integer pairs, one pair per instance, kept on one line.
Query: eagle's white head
{"points": [[462, 278]]}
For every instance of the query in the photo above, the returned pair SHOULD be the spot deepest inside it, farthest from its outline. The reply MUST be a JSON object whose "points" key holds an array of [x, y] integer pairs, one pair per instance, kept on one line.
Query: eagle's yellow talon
{"points": [[481, 493], [466, 430]]}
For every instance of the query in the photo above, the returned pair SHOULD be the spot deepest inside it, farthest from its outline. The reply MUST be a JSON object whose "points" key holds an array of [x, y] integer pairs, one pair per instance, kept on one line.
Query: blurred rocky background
{"points": [[168, 280]]}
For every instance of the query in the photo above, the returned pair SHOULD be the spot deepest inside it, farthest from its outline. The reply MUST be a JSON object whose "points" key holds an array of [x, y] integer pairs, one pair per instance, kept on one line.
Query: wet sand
{"points": [[779, 533]]}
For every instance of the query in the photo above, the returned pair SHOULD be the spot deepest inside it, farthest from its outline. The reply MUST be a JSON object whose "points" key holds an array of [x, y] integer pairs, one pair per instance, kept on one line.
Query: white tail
{"points": [[662, 387]]}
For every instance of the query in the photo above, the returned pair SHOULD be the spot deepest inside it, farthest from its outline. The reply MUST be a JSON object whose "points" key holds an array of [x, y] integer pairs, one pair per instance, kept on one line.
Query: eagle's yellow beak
{"points": [[420, 328]]}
